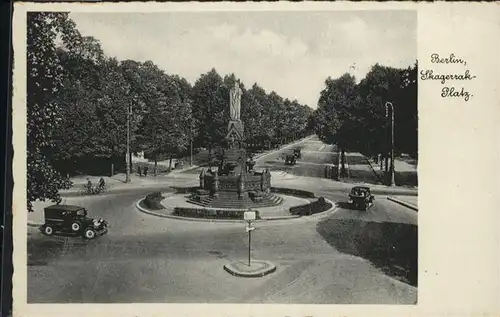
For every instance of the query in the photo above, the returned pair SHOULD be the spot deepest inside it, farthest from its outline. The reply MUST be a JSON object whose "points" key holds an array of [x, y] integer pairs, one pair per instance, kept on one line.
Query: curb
{"points": [[407, 205], [113, 191], [291, 217], [157, 214], [233, 270], [187, 169], [382, 191]]}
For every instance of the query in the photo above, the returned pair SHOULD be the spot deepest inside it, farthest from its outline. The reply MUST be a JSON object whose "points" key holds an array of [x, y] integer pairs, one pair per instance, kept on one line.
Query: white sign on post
{"points": [[249, 215]]}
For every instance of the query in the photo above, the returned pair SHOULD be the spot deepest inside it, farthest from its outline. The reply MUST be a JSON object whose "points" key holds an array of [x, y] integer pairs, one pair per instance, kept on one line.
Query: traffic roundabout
{"points": [[178, 205]]}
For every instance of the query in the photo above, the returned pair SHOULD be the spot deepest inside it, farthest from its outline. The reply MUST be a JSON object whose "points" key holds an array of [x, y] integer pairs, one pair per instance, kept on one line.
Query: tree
{"points": [[252, 116], [406, 116], [166, 125], [44, 81], [335, 110], [267, 131], [78, 132], [354, 117], [210, 109], [383, 84]]}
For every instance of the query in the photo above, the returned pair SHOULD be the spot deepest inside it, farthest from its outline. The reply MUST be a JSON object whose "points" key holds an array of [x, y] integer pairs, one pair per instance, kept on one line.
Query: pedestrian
{"points": [[139, 170], [88, 187], [145, 171], [102, 185]]}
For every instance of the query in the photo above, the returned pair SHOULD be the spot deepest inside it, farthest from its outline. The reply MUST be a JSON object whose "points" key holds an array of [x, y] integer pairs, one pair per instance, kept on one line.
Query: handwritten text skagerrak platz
{"points": [[444, 78]]}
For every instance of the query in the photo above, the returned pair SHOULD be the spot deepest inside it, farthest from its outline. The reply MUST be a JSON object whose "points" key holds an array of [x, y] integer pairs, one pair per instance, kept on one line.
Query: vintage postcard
{"points": [[256, 159]]}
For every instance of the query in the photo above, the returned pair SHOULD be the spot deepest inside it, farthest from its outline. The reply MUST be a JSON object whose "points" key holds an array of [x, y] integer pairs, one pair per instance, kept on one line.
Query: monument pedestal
{"points": [[235, 184]]}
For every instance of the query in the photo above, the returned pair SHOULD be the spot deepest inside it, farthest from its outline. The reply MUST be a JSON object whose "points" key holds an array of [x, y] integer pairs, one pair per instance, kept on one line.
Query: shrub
{"points": [[211, 213], [185, 190], [160, 169], [311, 208], [153, 201], [302, 210], [293, 192]]}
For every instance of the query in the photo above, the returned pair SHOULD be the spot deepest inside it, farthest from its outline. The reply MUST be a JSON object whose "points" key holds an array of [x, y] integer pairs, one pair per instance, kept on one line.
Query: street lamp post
{"points": [[191, 143], [128, 160], [387, 105]]}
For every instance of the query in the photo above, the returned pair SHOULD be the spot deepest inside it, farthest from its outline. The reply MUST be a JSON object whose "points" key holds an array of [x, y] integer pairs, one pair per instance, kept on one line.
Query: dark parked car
{"points": [[361, 197], [73, 220], [296, 153], [290, 160]]}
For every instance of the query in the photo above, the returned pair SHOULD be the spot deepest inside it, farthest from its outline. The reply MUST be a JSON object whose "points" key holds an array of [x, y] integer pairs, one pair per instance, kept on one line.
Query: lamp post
{"points": [[128, 160], [391, 169], [191, 143]]}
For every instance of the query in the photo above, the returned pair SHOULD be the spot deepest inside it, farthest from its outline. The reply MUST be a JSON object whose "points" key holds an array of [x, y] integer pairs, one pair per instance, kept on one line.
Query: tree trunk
{"points": [[170, 162], [130, 161], [155, 170], [210, 155], [339, 165], [386, 159], [342, 157]]}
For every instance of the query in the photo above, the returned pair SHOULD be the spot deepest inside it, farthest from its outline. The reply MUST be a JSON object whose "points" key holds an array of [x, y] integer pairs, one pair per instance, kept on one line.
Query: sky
{"points": [[291, 53]]}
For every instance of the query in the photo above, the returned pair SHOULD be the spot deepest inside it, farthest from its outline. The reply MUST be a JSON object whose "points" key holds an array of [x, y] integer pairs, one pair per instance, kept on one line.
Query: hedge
{"points": [[185, 190], [293, 192], [211, 213], [311, 208], [160, 169], [153, 201]]}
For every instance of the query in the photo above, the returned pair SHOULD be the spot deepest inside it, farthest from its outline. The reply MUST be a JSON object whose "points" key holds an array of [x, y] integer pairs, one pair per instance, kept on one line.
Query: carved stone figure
{"points": [[235, 102]]}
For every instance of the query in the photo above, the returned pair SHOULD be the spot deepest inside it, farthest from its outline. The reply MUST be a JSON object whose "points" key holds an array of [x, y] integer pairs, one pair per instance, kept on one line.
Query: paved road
{"points": [[314, 155], [344, 257]]}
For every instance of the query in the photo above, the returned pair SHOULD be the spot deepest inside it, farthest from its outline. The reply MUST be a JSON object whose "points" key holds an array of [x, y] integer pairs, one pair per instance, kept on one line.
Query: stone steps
{"points": [[231, 201]]}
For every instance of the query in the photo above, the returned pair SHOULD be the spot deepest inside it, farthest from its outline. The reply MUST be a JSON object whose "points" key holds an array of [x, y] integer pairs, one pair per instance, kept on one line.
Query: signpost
{"points": [[249, 217]]}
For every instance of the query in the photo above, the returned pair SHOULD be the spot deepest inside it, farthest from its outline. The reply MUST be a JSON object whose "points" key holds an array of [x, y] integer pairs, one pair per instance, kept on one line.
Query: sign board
{"points": [[248, 229], [249, 215]]}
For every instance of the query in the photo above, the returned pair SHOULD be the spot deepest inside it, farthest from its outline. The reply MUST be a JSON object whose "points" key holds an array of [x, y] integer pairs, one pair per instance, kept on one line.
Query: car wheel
{"points": [[89, 234], [75, 226], [48, 230]]}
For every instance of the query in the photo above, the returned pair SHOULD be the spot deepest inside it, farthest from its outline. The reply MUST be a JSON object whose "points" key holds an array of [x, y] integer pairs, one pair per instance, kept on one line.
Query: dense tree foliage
{"points": [[80, 101], [353, 116], [268, 118], [44, 80]]}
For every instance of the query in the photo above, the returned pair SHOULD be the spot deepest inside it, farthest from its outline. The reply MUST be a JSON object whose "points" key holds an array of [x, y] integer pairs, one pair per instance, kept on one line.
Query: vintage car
{"points": [[70, 219], [290, 160], [361, 197], [296, 153]]}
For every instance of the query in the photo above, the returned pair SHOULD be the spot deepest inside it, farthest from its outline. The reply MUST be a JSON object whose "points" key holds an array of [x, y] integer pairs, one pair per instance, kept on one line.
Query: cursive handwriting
{"points": [[435, 58], [445, 77], [452, 92], [429, 74]]}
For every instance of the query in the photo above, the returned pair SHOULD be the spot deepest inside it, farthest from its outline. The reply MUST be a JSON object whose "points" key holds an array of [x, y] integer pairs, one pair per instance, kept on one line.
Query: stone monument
{"points": [[235, 184]]}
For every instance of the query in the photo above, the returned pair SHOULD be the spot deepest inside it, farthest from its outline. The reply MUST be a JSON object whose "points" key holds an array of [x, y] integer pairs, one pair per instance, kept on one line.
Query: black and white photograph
{"points": [[259, 157]]}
